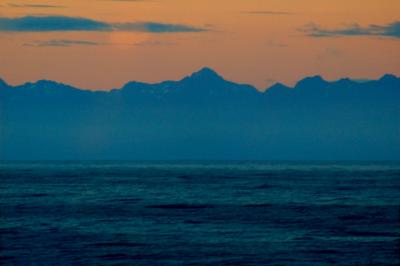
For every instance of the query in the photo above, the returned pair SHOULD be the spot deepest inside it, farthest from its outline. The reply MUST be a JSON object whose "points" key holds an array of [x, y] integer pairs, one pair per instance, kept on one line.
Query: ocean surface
{"points": [[200, 213]]}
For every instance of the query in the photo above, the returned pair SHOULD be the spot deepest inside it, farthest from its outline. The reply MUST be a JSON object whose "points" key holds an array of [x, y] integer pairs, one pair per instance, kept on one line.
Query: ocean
{"points": [[199, 213]]}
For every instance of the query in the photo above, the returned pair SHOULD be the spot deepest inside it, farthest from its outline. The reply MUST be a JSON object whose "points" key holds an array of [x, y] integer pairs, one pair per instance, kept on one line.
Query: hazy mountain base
{"points": [[202, 116]]}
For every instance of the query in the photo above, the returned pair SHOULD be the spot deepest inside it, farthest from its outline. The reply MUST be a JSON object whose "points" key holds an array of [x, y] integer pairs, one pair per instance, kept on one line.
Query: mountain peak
{"points": [[314, 81], [388, 77], [206, 73], [134, 84], [46, 83], [316, 78], [279, 86]]}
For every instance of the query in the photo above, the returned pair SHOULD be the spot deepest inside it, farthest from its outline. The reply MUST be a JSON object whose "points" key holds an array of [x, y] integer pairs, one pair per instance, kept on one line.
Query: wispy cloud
{"points": [[64, 23], [388, 30], [153, 43], [155, 27], [61, 43], [34, 5], [74, 42], [52, 23]]}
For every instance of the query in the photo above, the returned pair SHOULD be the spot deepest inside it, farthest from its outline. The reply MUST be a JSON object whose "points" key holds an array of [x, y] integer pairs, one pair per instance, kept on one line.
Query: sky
{"points": [[102, 44]]}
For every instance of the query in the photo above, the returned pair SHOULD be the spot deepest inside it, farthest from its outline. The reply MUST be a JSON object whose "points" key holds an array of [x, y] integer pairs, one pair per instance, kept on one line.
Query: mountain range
{"points": [[202, 117]]}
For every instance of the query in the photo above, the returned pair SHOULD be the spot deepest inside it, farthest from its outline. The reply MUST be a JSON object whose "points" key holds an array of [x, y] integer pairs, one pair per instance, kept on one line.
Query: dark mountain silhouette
{"points": [[3, 84], [202, 116]]}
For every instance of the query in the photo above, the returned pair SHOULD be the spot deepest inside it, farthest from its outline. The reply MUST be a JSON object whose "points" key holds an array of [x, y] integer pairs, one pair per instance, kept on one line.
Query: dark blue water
{"points": [[199, 213]]}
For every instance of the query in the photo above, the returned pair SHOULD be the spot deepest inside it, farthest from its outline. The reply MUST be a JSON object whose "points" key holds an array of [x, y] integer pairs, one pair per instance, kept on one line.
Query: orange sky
{"points": [[251, 41]]}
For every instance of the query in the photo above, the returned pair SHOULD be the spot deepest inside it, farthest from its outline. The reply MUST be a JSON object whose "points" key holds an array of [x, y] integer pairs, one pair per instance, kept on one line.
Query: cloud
{"points": [[154, 43], [51, 23], [388, 30], [155, 27], [69, 43], [34, 6], [60, 43], [64, 23]]}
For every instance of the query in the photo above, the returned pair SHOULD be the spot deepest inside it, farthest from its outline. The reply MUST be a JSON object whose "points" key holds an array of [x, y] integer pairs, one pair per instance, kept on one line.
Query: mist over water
{"points": [[199, 213]]}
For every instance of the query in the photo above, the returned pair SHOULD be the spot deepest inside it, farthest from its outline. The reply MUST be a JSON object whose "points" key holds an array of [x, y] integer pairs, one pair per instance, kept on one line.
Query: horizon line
{"points": [[320, 76]]}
